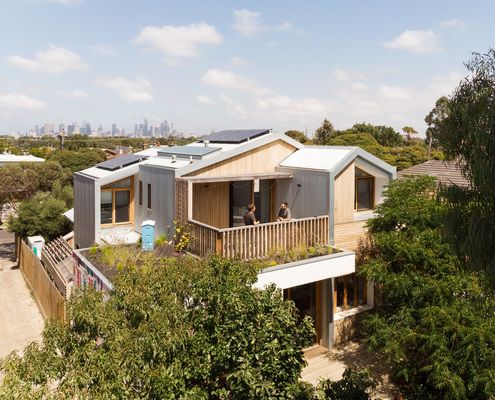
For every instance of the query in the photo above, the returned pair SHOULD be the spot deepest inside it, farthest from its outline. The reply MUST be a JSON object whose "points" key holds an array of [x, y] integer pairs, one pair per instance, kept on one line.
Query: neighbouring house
{"points": [[10, 159], [446, 173], [331, 192]]}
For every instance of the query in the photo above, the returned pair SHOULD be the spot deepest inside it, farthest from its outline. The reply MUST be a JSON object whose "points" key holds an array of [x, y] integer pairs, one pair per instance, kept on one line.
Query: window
{"points": [[140, 193], [364, 190], [349, 292], [116, 203], [149, 196]]}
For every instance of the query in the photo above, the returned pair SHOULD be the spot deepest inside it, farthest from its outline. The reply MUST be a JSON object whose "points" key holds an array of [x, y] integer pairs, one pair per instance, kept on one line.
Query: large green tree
{"points": [[433, 319], [298, 135], [467, 134], [434, 118], [324, 133], [178, 328], [78, 160], [384, 135]]}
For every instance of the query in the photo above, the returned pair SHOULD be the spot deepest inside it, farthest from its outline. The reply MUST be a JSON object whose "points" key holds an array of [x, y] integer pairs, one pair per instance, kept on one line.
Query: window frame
{"points": [[113, 190], [345, 306], [140, 194], [148, 199], [368, 177]]}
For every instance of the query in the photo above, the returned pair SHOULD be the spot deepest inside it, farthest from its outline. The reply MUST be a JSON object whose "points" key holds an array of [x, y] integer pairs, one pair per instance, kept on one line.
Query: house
{"points": [[11, 159], [331, 192], [446, 173]]}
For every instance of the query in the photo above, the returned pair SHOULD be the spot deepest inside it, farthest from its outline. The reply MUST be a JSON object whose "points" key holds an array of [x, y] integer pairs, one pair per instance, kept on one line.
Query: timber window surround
{"points": [[149, 196], [364, 192], [349, 291], [116, 200]]}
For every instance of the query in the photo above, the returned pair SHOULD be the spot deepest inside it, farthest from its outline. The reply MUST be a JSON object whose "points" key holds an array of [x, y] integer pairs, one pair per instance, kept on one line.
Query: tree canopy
{"points": [[78, 160], [324, 133], [298, 135]]}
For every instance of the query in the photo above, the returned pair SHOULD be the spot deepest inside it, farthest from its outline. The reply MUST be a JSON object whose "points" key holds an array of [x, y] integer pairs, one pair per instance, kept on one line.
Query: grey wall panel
{"points": [[162, 199], [307, 192], [84, 211]]}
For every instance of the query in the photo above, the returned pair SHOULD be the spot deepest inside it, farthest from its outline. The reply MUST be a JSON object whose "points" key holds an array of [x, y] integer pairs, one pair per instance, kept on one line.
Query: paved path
{"points": [[20, 319], [331, 364]]}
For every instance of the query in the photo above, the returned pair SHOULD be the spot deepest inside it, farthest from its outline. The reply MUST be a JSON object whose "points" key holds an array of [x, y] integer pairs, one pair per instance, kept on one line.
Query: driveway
{"points": [[20, 319]]}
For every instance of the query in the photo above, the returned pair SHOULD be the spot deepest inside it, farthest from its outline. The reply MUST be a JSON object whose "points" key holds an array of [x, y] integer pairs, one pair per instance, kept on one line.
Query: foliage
{"points": [[161, 240], [467, 134], [299, 136], [354, 385], [181, 237], [409, 131], [324, 133], [174, 328], [78, 160], [435, 320], [384, 135], [43, 214], [434, 119], [20, 182], [300, 253]]}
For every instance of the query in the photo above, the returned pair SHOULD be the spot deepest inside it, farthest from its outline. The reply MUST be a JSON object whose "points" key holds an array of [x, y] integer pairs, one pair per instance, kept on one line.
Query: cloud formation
{"points": [[415, 42], [249, 24], [453, 23], [52, 60], [72, 94], [103, 50], [21, 101], [203, 99], [228, 80], [179, 41], [138, 90]]}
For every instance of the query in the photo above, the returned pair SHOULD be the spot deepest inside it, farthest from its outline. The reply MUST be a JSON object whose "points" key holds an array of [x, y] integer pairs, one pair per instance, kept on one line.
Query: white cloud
{"points": [[415, 41], [130, 90], [103, 50], [359, 87], [286, 106], [203, 99], [453, 23], [233, 107], [272, 44], [179, 41], [228, 80], [238, 62], [53, 60], [15, 100], [249, 24], [72, 94], [393, 92], [343, 76]]}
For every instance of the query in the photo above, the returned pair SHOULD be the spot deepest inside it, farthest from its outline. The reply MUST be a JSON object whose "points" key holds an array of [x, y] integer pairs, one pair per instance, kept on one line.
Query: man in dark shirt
{"points": [[249, 217], [284, 212]]}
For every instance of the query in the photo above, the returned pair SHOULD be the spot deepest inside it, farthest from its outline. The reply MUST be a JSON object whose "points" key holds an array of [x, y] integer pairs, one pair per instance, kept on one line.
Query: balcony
{"points": [[258, 241]]}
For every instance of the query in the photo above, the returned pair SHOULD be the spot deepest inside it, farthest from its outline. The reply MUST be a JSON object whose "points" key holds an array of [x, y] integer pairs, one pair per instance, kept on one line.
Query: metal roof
{"points": [[188, 151], [319, 158], [234, 135], [121, 162]]}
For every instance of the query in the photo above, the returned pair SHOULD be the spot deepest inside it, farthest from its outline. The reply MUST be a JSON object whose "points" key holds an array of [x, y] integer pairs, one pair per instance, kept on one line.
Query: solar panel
{"points": [[187, 151], [234, 135], [121, 162]]}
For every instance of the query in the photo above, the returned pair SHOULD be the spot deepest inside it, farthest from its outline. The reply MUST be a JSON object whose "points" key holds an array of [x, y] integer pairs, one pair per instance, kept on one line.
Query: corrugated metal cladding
{"points": [[162, 199], [84, 211], [307, 193]]}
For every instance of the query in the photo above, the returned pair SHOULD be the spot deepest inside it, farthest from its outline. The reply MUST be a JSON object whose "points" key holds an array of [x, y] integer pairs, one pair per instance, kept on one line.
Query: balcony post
{"points": [[218, 244]]}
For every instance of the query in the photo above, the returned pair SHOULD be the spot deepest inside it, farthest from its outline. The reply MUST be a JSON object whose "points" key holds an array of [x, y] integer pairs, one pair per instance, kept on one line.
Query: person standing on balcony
{"points": [[284, 212], [249, 217]]}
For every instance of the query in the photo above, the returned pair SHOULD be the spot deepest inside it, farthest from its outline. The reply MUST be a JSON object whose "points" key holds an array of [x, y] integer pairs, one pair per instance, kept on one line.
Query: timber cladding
{"points": [[263, 159], [181, 201], [211, 203], [344, 195]]}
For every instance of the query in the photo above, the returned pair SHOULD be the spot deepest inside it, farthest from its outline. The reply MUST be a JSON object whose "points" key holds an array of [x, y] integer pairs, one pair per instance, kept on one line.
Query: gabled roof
{"points": [[332, 159], [445, 172], [234, 135]]}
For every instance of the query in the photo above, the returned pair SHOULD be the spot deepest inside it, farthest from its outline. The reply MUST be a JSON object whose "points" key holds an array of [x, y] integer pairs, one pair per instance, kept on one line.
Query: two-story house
{"points": [[206, 185]]}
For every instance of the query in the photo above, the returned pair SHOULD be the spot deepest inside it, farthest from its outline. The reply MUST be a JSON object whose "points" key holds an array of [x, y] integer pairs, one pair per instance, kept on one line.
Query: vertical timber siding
{"points": [[211, 203], [181, 201], [344, 195], [84, 211], [263, 159]]}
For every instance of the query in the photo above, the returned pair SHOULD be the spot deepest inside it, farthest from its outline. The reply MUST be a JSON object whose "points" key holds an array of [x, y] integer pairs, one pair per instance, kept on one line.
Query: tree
{"points": [[298, 135], [409, 131], [433, 319], [78, 160], [180, 328], [42, 214], [324, 133], [467, 133], [384, 135], [435, 117]]}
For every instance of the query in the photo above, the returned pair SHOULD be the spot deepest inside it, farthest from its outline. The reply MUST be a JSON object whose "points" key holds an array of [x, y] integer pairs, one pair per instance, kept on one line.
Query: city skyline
{"points": [[209, 67]]}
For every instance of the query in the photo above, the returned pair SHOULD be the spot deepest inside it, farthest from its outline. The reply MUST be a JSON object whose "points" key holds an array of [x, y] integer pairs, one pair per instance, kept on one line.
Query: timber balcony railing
{"points": [[257, 241]]}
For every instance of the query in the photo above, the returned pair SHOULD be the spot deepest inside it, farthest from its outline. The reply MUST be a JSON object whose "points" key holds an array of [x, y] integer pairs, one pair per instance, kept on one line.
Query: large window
{"points": [[149, 196], [349, 292], [116, 202], [364, 191]]}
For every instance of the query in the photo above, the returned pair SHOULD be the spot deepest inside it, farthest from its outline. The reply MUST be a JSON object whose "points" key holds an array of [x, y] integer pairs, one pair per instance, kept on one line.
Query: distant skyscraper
{"points": [[61, 127], [115, 130], [136, 130], [37, 130], [145, 127], [85, 128]]}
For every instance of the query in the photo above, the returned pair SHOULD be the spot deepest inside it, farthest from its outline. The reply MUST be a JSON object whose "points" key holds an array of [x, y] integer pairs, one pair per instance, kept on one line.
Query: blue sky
{"points": [[232, 64]]}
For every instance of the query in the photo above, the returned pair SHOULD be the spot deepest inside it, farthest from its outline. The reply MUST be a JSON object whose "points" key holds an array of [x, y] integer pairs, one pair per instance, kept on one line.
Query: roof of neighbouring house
{"points": [[12, 158], [234, 135], [445, 172]]}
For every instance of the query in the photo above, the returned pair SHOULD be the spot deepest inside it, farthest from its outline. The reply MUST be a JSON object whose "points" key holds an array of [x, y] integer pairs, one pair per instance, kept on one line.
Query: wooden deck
{"points": [[331, 364]]}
